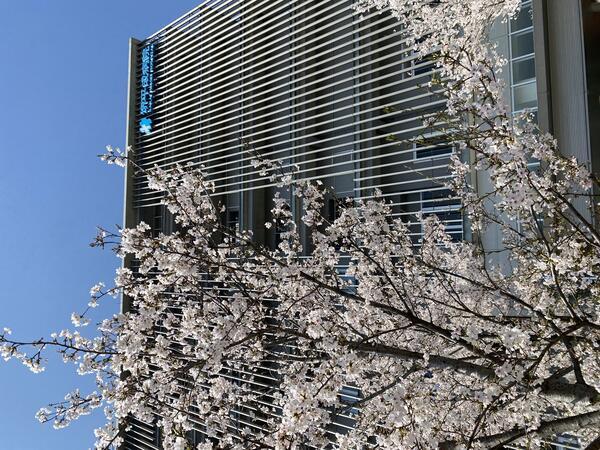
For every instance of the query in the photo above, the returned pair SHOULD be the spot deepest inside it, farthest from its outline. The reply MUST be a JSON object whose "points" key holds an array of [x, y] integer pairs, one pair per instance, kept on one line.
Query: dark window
{"points": [[429, 150], [523, 19], [521, 44], [523, 69], [349, 396], [233, 220]]}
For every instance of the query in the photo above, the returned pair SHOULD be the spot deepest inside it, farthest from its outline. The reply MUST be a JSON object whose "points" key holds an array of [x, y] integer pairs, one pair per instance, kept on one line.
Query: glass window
{"points": [[525, 96], [566, 442], [523, 70], [522, 20], [334, 209], [423, 66], [233, 223], [440, 200], [424, 63], [430, 151], [522, 44], [233, 220], [349, 396], [522, 62]]}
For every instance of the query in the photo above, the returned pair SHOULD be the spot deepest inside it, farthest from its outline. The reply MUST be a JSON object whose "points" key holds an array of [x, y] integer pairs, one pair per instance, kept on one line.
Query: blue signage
{"points": [[146, 125], [147, 88]]}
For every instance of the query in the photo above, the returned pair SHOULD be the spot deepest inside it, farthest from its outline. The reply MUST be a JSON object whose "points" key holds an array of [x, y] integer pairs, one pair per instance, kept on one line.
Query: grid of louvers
{"points": [[311, 83]]}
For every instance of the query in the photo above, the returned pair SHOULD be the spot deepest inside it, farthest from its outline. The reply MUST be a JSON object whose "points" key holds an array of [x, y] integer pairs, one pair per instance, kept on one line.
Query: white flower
{"points": [[97, 288], [79, 321]]}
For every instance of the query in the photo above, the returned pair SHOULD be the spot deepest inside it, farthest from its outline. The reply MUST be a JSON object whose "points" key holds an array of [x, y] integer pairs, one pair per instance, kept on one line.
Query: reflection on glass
{"points": [[523, 19], [523, 70], [525, 96], [522, 44]]}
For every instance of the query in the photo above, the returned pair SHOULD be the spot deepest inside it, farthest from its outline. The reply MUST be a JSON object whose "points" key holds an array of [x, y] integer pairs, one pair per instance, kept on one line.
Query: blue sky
{"points": [[63, 81]]}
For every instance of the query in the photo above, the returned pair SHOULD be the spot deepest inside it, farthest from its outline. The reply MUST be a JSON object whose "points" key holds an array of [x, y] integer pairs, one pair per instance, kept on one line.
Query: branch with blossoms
{"points": [[323, 285], [206, 313], [350, 333]]}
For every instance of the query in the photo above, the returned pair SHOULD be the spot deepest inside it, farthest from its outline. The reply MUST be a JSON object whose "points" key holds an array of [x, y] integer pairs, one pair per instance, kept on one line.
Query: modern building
{"points": [[316, 84]]}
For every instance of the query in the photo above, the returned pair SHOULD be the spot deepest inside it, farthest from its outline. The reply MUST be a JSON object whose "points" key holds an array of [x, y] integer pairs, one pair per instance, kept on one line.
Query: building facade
{"points": [[313, 83]]}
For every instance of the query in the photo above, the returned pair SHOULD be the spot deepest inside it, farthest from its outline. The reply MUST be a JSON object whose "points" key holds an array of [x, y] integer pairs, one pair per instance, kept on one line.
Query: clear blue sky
{"points": [[63, 80]]}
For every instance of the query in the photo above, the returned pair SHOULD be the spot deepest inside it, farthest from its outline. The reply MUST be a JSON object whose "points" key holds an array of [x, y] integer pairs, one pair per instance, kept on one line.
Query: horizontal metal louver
{"points": [[310, 83]]}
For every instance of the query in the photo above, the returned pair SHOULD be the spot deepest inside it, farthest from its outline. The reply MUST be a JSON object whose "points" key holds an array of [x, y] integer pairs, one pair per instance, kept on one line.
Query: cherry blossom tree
{"points": [[442, 346]]}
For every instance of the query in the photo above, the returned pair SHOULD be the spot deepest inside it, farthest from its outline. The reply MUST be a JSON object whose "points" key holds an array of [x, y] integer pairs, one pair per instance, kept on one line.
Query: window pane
{"points": [[522, 44], [523, 70], [435, 151], [523, 19], [525, 96]]}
